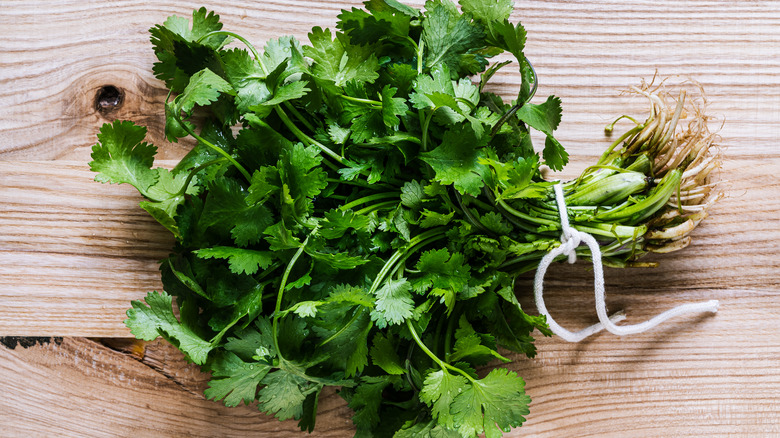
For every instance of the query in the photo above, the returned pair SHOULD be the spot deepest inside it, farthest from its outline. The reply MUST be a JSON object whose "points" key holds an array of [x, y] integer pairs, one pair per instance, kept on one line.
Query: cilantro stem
{"points": [[240, 38], [526, 217], [420, 48], [375, 207], [375, 103], [451, 320], [299, 116], [369, 198], [444, 365], [194, 171], [280, 295], [305, 138], [426, 124], [216, 148], [413, 245], [354, 318]]}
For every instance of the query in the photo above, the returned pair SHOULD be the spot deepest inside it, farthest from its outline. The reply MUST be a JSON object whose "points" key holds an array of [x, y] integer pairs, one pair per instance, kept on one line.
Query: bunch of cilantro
{"points": [[355, 212]]}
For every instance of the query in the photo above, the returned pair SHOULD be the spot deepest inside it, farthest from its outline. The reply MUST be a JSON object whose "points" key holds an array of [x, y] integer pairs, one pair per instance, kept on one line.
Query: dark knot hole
{"points": [[108, 98]]}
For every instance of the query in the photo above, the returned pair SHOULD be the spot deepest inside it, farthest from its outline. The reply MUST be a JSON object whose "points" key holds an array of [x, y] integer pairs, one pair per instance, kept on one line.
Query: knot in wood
{"points": [[108, 98]]}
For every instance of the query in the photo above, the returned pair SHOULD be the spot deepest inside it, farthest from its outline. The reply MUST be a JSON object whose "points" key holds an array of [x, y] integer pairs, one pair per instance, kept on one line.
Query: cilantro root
{"points": [[356, 210]]}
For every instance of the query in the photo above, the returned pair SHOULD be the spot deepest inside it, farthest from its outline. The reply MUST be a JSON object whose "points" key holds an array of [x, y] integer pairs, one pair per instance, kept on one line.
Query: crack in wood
{"points": [[11, 342]]}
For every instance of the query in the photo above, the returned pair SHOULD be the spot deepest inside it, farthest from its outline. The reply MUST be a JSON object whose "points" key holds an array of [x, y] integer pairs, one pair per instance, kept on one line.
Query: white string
{"points": [[570, 240]]}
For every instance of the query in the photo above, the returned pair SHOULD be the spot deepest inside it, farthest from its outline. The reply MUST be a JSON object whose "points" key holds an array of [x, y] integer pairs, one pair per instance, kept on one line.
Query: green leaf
{"points": [[412, 195], [240, 260], [204, 88], [305, 309], [246, 77], [431, 219], [302, 177], [469, 345], [284, 394], [488, 10], [337, 222], [338, 61], [451, 38], [175, 39], [379, 22], [491, 405], [286, 49], [234, 380], [226, 207], [444, 274], [384, 355], [121, 156], [543, 117], [439, 391], [427, 430], [367, 400], [392, 107], [394, 303], [256, 340], [156, 318], [456, 160], [555, 155], [279, 238]]}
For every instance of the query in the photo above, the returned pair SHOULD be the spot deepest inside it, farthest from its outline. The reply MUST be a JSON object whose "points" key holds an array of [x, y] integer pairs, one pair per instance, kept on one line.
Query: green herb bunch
{"points": [[356, 210]]}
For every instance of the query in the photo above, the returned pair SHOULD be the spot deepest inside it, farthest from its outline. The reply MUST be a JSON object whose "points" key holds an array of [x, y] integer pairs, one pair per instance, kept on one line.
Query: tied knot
{"points": [[570, 240]]}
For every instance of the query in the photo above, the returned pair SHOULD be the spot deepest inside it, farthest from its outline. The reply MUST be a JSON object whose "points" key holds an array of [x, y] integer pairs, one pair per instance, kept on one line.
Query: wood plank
{"points": [[682, 380], [100, 392]]}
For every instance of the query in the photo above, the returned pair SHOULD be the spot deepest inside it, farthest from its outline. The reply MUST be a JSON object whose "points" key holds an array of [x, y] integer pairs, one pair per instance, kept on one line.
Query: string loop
{"points": [[571, 238]]}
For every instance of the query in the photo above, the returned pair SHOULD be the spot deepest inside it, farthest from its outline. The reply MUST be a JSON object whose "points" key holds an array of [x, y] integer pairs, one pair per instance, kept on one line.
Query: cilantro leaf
{"points": [[283, 394], [450, 39], [156, 318], [545, 117], [175, 38], [493, 404], [488, 10], [456, 160], [226, 206], [392, 107], [384, 355], [203, 88], [469, 344], [367, 400], [440, 390], [121, 156], [394, 303], [240, 260], [338, 61], [235, 380]]}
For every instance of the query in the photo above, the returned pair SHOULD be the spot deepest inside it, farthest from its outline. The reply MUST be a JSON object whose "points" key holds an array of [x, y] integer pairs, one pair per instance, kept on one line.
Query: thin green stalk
{"points": [[524, 216], [375, 207], [345, 327], [305, 138], [194, 171], [620, 139], [444, 365], [366, 199], [280, 295], [374, 103], [217, 149], [401, 252]]}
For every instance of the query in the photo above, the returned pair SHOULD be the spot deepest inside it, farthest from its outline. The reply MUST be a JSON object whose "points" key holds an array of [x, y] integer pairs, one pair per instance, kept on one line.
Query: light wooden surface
{"points": [[73, 253]]}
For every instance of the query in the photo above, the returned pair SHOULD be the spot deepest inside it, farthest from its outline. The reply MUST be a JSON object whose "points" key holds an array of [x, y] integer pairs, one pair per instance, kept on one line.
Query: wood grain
{"points": [[73, 253]]}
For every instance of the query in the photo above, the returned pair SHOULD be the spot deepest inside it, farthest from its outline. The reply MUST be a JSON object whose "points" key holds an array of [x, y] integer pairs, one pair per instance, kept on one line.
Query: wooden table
{"points": [[73, 253]]}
